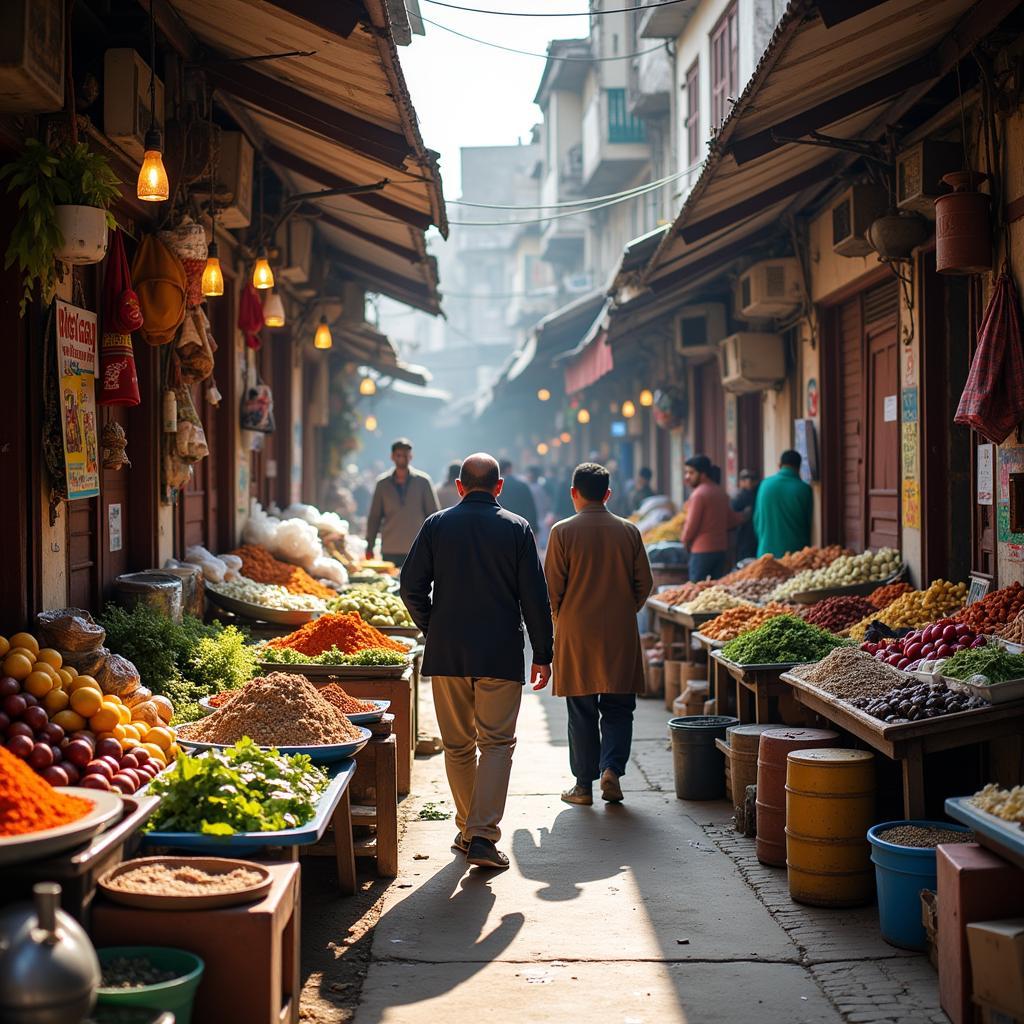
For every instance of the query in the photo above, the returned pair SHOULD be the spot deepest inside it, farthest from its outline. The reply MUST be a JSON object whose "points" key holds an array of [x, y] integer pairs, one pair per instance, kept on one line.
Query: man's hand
{"points": [[539, 676]]}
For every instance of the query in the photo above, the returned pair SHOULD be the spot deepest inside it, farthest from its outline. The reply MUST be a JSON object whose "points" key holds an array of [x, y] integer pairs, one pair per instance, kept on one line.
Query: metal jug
{"points": [[49, 972]]}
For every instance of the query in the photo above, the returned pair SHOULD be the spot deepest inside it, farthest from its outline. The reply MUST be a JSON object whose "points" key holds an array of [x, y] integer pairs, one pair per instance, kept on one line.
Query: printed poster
{"points": [[911, 505], [986, 473], [76, 364]]}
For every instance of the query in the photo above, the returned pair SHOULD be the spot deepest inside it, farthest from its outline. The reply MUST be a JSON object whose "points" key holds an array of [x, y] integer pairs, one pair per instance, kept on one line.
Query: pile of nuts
{"points": [[838, 613], [994, 610], [847, 673], [764, 568], [714, 599], [916, 702], [885, 595], [917, 609], [1007, 804], [751, 590], [1014, 630], [685, 592], [923, 837], [732, 623], [813, 558]]}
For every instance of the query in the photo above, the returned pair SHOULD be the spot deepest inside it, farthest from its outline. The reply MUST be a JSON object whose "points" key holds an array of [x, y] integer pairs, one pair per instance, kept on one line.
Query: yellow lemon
{"points": [[69, 721], [162, 737], [105, 719], [124, 713], [157, 753]]}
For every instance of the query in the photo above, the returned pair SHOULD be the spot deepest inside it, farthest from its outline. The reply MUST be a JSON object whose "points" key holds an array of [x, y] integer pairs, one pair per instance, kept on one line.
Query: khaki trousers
{"points": [[478, 714]]}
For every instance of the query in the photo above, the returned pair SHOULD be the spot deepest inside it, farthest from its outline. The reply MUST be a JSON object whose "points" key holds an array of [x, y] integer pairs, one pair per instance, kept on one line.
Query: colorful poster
{"points": [[76, 362], [909, 450], [986, 473], [909, 405], [911, 505]]}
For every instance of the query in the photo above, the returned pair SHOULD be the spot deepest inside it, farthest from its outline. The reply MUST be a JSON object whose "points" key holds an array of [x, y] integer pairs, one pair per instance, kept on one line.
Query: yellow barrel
{"points": [[830, 805]]}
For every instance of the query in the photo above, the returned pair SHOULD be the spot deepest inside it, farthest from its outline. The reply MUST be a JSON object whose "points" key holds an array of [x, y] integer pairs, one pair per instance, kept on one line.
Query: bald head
{"points": [[480, 473]]}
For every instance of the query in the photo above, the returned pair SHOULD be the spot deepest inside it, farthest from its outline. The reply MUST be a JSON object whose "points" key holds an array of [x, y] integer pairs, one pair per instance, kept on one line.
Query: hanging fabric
{"points": [[195, 347], [993, 399], [114, 445], [53, 433], [188, 242], [119, 382], [161, 283], [250, 316], [257, 411]]}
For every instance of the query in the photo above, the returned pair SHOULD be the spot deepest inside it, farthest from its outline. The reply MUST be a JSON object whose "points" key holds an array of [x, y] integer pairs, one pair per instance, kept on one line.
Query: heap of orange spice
{"points": [[260, 565], [347, 631], [28, 803]]}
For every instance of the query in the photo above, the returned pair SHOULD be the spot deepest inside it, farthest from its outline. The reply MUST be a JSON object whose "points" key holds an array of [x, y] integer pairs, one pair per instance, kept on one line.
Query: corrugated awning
{"points": [[588, 366], [364, 344], [339, 118]]}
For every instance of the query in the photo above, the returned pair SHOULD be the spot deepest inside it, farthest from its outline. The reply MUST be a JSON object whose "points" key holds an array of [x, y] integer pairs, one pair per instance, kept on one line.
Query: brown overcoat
{"points": [[598, 579]]}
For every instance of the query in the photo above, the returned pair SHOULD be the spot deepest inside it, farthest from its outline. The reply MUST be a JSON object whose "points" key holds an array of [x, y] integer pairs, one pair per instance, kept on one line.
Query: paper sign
{"points": [[911, 505], [909, 450], [76, 363], [114, 527], [891, 408], [980, 586], [986, 473]]}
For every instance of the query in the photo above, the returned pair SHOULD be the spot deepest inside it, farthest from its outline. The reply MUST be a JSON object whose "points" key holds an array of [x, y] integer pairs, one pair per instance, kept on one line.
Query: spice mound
{"points": [[994, 610], [278, 710], [126, 972], [764, 568], [783, 639], [346, 631], [28, 803], [157, 878], [884, 596], [813, 558], [343, 702], [260, 565], [923, 837], [848, 672]]}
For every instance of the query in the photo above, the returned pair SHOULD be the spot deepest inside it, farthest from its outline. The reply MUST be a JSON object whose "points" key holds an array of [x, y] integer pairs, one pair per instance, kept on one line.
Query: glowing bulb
{"points": [[322, 338], [628, 409], [543, 395], [565, 437], [542, 449], [556, 442], [371, 423], [583, 416], [152, 184], [646, 398], [367, 386], [273, 311], [262, 275], [213, 276]]}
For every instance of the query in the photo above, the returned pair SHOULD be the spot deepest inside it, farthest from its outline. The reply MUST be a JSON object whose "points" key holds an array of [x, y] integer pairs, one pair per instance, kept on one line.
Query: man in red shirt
{"points": [[709, 517]]}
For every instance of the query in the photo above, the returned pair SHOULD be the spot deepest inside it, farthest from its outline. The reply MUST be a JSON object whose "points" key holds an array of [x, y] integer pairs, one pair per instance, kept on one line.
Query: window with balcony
{"points": [[693, 140], [725, 69], [622, 125]]}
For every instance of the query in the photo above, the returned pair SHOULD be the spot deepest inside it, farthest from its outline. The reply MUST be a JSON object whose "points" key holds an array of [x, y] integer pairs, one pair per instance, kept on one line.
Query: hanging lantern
{"points": [[647, 398], [963, 230], [543, 395], [367, 386], [565, 437], [556, 442], [371, 423], [262, 275], [322, 339], [628, 409], [542, 449], [152, 185], [213, 276], [273, 311], [583, 416]]}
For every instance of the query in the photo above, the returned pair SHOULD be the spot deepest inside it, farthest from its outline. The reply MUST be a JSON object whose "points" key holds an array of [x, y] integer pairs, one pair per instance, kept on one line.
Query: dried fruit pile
{"points": [[885, 595], [917, 609], [684, 592], [714, 599], [764, 568], [751, 590], [838, 613], [813, 558], [1014, 630], [994, 610]]}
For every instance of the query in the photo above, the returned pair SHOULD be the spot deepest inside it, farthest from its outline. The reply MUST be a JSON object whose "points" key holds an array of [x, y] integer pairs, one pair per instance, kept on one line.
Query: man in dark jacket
{"points": [[516, 495], [481, 561]]}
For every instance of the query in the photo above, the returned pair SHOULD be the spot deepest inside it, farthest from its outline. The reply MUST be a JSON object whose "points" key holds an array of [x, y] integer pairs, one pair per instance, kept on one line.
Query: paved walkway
{"points": [[652, 912]]}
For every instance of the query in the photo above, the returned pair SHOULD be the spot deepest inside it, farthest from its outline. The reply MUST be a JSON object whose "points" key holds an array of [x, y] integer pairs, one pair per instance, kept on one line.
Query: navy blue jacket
{"points": [[482, 563]]}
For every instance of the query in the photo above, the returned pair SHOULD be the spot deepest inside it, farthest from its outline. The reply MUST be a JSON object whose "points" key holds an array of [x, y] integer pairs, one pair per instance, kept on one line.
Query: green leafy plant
{"points": [[70, 175]]}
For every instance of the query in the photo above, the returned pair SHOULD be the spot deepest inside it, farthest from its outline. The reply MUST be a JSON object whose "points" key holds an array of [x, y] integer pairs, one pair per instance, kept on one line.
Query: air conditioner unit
{"points": [[919, 172], [294, 241], [32, 57], [699, 328], [858, 207], [234, 177], [126, 113], [769, 289], [752, 361]]}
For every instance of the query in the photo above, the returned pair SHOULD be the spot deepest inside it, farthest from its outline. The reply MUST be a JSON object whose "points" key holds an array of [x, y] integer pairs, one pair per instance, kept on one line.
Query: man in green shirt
{"points": [[784, 509]]}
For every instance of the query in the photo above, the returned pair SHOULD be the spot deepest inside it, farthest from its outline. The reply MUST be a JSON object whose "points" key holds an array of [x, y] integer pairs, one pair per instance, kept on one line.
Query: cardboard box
{"points": [[997, 963]]}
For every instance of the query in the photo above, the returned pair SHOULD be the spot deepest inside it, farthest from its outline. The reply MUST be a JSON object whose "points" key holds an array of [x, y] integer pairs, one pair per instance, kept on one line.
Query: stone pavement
{"points": [[652, 912]]}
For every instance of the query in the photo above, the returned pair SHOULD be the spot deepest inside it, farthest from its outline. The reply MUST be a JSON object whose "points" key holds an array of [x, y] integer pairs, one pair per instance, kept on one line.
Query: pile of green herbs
{"points": [[370, 657], [239, 789], [784, 639], [992, 661], [184, 661]]}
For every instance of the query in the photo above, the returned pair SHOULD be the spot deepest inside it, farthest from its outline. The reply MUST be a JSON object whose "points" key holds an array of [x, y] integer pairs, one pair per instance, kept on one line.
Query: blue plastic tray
{"points": [[242, 842], [325, 754], [365, 717], [1003, 837]]}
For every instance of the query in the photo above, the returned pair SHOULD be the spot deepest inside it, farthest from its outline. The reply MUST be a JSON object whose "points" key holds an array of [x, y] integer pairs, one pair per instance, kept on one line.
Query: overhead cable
{"points": [[557, 14]]}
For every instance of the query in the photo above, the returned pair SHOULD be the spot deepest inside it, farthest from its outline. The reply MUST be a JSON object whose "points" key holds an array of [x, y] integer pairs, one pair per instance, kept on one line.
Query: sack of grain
{"points": [[119, 677], [70, 629]]}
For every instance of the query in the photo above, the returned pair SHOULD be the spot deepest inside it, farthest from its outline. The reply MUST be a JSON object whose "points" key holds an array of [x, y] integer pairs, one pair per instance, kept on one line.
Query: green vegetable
{"points": [[782, 639], [993, 661], [240, 789], [369, 657], [377, 608]]}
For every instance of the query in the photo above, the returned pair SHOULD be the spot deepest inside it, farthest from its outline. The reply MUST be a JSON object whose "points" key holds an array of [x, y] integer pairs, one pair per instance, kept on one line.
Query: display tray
{"points": [[324, 753], [780, 666], [1002, 837], [339, 671], [205, 901], [240, 842], [359, 718], [709, 642], [853, 590], [994, 693], [278, 616]]}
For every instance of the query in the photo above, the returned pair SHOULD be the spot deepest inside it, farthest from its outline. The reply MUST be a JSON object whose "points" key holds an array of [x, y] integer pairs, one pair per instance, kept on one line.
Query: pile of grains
{"points": [[994, 610], [1014, 630], [159, 878], [278, 710], [764, 568], [343, 702], [685, 592], [838, 613], [813, 558], [923, 836], [714, 599], [884, 596], [781, 640], [1007, 804], [260, 565], [732, 623], [751, 590], [124, 972], [28, 803], [848, 672], [345, 630]]}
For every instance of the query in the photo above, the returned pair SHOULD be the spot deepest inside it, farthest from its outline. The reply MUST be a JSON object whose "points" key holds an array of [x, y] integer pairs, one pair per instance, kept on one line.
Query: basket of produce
{"points": [[783, 641], [847, 575], [185, 883], [379, 608], [265, 602]]}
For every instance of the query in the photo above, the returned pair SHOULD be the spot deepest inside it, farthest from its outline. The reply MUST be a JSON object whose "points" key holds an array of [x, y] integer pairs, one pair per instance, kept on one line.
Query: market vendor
{"points": [[402, 499], [743, 502], [709, 518], [784, 509]]}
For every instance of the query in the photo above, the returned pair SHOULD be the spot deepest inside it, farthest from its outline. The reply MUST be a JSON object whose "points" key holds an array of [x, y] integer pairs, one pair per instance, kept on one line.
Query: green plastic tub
{"points": [[175, 996]]}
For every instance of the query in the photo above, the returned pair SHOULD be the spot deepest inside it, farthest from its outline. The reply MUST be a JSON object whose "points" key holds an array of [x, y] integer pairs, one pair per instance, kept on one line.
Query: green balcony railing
{"points": [[622, 125]]}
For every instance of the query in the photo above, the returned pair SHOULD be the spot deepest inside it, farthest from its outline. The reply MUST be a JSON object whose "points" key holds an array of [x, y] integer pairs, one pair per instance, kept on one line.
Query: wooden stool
{"points": [[400, 693], [251, 952], [376, 770]]}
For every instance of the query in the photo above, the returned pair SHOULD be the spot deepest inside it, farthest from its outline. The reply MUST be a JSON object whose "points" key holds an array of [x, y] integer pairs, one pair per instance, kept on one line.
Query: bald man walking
{"points": [[473, 576]]}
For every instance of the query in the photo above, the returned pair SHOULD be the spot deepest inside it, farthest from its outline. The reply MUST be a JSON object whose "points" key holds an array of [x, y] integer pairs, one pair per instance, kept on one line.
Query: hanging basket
{"points": [[84, 229], [963, 231], [896, 235]]}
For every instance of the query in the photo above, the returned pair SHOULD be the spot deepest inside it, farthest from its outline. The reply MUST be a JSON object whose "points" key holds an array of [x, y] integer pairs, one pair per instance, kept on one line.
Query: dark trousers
{"points": [[707, 564], [600, 734]]}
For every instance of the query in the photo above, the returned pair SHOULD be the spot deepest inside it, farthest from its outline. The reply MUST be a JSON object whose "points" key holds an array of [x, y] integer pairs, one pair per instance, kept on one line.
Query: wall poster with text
{"points": [[76, 364]]}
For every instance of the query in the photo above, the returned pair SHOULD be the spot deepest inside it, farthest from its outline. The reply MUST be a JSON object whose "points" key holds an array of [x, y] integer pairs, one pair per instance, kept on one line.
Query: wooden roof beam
{"points": [[339, 17], [395, 248]]}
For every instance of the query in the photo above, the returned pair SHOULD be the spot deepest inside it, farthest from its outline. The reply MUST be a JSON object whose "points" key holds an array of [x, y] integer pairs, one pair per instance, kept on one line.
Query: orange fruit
{"points": [[155, 752], [125, 714], [5, 645], [56, 700], [121, 732], [142, 728], [127, 743], [86, 701], [162, 737], [69, 721], [70, 669], [17, 664], [77, 681], [51, 657], [65, 678], [105, 719], [41, 666], [39, 684], [107, 734], [26, 640]]}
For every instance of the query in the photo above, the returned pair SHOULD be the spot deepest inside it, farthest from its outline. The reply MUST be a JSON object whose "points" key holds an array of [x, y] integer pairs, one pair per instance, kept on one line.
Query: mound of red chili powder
{"points": [[29, 803]]}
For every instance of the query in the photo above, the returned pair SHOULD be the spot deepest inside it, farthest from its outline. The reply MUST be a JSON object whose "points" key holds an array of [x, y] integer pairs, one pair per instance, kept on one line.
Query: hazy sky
{"points": [[467, 94]]}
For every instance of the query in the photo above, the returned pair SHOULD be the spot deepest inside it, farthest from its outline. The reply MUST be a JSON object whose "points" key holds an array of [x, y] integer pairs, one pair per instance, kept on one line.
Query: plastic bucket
{"points": [[698, 763], [174, 996], [901, 872]]}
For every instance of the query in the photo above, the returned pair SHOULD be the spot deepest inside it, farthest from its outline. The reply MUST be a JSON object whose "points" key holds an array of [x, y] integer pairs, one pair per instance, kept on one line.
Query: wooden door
{"points": [[851, 425], [750, 431], [882, 468], [710, 401]]}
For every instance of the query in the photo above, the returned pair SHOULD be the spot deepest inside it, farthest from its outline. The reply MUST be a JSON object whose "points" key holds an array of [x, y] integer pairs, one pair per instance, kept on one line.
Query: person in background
{"points": [[448, 493], [743, 502], [402, 499], [541, 501], [708, 521], [641, 488], [516, 495], [598, 580], [362, 494], [784, 510], [716, 475], [472, 578]]}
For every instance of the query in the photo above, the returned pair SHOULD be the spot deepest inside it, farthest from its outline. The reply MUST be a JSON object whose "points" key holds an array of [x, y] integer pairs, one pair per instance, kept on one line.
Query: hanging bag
{"points": [[258, 408]]}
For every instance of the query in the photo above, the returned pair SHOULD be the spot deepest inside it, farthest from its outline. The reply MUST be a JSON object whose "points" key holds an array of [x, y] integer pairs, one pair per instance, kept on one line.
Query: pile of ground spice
{"points": [[345, 630], [260, 565], [884, 596], [764, 568], [28, 803], [344, 703], [162, 879], [277, 710]]}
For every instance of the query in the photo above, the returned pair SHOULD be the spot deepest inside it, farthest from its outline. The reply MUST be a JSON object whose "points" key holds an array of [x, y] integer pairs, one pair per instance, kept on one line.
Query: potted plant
{"points": [[65, 196]]}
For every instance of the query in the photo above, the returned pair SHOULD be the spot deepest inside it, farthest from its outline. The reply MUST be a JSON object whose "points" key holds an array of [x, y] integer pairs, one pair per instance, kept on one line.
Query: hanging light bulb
{"points": [[565, 437], [542, 449], [646, 398], [273, 311], [262, 275], [628, 409], [367, 386], [322, 338], [543, 395], [556, 442], [213, 276], [371, 423], [152, 184], [583, 416]]}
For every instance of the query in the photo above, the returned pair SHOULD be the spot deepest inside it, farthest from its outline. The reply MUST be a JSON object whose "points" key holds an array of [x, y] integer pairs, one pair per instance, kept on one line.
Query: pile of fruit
{"points": [[917, 609], [714, 599], [1013, 631], [917, 701], [838, 613], [375, 606], [994, 610], [813, 558], [674, 596], [845, 571], [751, 590], [942, 639], [670, 530]]}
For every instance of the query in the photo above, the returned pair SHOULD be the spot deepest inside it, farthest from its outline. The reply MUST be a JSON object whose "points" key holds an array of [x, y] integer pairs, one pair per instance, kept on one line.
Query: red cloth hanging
{"points": [[250, 316], [993, 398], [119, 382]]}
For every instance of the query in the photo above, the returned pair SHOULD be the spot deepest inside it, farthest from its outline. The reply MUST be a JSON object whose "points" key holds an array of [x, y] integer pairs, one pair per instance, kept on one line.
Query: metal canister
{"points": [[830, 804], [963, 232]]}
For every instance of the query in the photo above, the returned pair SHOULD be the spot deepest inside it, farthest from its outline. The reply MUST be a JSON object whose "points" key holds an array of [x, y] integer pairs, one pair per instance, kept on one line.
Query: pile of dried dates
{"points": [[917, 701]]}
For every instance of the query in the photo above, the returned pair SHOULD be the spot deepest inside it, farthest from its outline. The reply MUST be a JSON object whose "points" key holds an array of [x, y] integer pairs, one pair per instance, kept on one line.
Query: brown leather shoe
{"points": [[610, 788], [483, 853], [578, 795]]}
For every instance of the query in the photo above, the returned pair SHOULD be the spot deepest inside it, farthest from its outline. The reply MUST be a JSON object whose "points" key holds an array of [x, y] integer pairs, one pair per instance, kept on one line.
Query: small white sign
{"points": [[892, 409], [114, 527], [986, 472]]}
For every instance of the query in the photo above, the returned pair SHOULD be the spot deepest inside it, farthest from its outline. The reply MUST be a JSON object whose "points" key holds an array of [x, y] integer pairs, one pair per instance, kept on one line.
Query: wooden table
{"points": [[676, 629], [756, 685], [909, 742], [723, 695]]}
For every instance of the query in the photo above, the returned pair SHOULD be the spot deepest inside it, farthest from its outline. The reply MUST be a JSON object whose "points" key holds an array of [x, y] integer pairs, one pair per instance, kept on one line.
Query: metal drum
{"points": [[830, 805], [740, 749]]}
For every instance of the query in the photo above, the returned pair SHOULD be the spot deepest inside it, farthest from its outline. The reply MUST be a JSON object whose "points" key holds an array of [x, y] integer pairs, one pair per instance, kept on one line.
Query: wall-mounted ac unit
{"points": [[32, 57], [854, 212], [234, 177], [294, 241], [126, 113], [699, 328], [752, 361], [769, 289], [919, 172]]}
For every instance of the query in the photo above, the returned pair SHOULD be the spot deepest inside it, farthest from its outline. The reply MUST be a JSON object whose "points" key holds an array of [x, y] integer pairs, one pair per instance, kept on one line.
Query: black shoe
{"points": [[485, 854], [460, 843]]}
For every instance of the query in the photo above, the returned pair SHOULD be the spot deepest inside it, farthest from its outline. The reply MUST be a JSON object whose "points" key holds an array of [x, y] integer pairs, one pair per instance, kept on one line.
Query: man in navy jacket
{"points": [[473, 576]]}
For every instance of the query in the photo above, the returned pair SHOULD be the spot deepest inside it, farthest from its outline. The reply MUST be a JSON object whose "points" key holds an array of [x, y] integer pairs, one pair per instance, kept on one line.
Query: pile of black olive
{"points": [[916, 701]]}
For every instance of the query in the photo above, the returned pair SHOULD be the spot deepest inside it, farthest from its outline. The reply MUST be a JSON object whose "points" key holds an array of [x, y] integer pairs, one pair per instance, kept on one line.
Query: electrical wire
{"points": [[538, 220], [556, 14]]}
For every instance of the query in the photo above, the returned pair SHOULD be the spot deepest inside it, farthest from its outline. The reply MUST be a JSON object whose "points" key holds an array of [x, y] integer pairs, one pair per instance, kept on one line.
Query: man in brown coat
{"points": [[598, 579]]}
